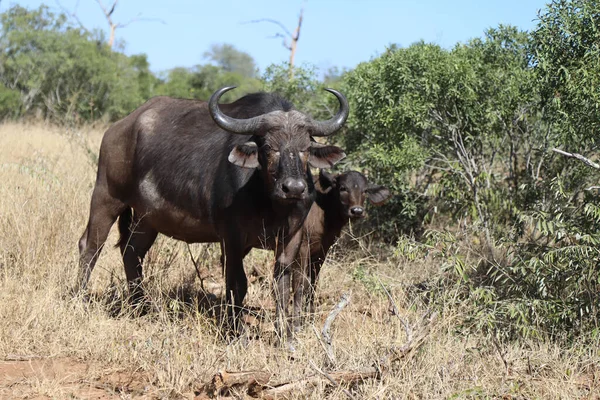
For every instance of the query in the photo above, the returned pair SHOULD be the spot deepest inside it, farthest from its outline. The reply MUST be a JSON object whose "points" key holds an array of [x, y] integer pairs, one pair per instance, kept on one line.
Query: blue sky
{"points": [[334, 32]]}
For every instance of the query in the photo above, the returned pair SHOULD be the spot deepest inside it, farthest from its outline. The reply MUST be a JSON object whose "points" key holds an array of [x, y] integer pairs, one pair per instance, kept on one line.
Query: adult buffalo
{"points": [[340, 199], [236, 173]]}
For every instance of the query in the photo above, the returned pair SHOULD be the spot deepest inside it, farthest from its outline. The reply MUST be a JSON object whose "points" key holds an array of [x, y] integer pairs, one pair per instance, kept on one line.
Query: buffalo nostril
{"points": [[293, 187], [356, 211]]}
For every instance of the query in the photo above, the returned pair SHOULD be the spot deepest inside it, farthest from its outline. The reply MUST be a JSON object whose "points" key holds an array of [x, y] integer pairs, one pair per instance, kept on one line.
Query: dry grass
{"points": [[46, 180]]}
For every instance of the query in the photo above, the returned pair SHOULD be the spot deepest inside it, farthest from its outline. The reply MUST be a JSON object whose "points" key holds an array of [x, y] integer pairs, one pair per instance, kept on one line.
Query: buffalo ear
{"points": [[378, 194], [324, 156], [326, 181], [244, 155]]}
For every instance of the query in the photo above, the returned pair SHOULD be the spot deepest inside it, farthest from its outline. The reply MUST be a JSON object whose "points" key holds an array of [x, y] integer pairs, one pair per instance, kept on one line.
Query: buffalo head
{"points": [[282, 146], [351, 189]]}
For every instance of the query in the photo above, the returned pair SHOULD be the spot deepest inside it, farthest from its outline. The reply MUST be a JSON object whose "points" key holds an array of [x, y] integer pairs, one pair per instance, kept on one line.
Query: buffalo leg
{"points": [[314, 268], [300, 284], [136, 239], [236, 283], [222, 259], [285, 257], [104, 211]]}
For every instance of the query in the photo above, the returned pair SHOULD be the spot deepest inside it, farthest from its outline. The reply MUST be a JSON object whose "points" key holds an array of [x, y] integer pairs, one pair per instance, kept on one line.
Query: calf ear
{"points": [[326, 181], [378, 194], [245, 155], [323, 156]]}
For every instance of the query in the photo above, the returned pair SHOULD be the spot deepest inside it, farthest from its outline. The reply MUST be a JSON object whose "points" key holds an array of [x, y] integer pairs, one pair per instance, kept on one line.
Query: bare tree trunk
{"points": [[294, 43], [108, 12], [111, 40]]}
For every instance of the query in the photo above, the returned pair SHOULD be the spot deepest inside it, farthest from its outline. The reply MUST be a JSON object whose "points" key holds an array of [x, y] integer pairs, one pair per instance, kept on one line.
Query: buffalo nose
{"points": [[293, 187], [357, 211]]}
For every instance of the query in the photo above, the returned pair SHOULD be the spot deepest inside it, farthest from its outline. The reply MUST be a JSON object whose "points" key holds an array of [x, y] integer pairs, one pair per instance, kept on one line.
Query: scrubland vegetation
{"points": [[488, 229]]}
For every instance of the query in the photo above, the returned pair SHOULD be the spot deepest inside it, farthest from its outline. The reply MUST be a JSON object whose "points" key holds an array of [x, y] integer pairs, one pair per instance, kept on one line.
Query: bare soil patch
{"points": [[67, 378]]}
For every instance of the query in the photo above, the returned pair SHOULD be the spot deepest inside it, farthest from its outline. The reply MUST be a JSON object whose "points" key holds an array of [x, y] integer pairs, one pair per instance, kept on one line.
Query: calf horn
{"points": [[248, 126], [326, 128]]}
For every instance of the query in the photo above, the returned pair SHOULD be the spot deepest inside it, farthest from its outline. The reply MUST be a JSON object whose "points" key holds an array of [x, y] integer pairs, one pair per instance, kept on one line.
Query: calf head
{"points": [[350, 190], [282, 147]]}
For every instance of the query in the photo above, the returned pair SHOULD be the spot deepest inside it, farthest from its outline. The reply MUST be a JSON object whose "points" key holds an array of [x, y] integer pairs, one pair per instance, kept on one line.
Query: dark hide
{"points": [[187, 178], [339, 199]]}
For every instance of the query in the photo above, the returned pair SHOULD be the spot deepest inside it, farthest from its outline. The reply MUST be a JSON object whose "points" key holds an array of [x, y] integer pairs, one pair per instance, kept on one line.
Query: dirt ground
{"points": [[67, 378]]}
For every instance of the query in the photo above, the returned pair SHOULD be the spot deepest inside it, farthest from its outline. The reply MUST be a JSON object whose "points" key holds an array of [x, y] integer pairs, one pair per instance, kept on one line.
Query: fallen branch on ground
{"points": [[326, 338], [255, 383], [306, 385], [223, 382]]}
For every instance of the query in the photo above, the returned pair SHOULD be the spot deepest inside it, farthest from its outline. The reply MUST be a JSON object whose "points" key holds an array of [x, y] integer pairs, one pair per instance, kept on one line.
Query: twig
{"points": [[195, 262], [255, 383], [499, 350], [581, 158], [323, 345], [327, 339], [223, 381], [407, 328], [273, 21], [415, 342], [305, 385], [333, 382]]}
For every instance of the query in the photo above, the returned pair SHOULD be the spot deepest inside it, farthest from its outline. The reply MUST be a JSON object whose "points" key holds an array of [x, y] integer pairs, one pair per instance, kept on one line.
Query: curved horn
{"points": [[248, 126], [326, 128]]}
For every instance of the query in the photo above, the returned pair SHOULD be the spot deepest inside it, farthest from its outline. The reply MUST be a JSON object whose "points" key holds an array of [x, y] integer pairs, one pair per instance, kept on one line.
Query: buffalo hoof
{"points": [[77, 294], [138, 302]]}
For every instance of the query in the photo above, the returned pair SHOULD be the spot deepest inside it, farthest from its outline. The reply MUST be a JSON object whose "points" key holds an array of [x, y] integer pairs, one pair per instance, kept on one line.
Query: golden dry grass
{"points": [[46, 179]]}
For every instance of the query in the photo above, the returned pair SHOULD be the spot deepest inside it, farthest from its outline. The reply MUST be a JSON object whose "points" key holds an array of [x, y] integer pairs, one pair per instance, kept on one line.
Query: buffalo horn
{"points": [[326, 128], [248, 126]]}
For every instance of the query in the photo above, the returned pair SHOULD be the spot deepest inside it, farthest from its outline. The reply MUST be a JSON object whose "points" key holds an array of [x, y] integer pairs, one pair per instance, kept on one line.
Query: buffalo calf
{"points": [[340, 199]]}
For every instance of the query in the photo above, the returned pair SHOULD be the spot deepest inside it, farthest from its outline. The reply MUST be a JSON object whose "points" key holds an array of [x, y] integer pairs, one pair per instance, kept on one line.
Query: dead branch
{"points": [[397, 353], [501, 354], [108, 12], [223, 382], [325, 334], [306, 385], [581, 158], [195, 262], [272, 21], [72, 14], [293, 37], [333, 382], [405, 324], [255, 383]]}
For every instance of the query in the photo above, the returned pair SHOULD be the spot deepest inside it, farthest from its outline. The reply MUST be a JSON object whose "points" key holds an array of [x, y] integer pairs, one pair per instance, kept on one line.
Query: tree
{"points": [[230, 59], [63, 72], [201, 81], [286, 35], [113, 26]]}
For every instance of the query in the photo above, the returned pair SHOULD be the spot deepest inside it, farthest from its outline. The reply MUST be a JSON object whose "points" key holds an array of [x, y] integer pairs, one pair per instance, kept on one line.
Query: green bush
{"points": [[10, 103], [65, 73]]}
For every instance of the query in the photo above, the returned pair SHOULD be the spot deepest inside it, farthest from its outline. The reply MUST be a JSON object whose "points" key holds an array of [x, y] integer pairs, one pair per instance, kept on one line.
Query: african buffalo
{"points": [[236, 173], [340, 198]]}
